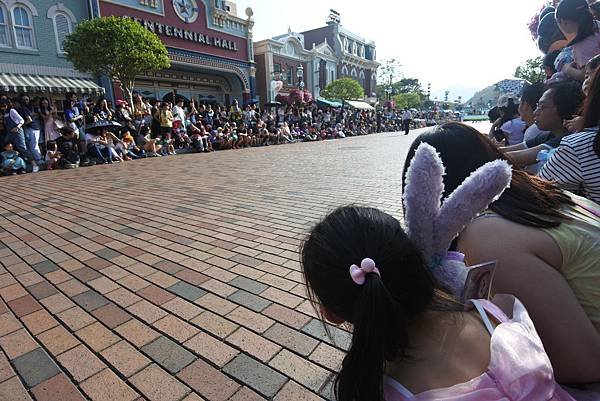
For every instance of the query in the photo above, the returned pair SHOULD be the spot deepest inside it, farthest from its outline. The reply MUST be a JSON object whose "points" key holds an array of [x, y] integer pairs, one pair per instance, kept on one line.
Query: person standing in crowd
{"points": [[74, 114], [13, 126], [102, 111], [50, 120], [31, 127], [406, 119], [165, 117], [179, 114], [140, 112]]}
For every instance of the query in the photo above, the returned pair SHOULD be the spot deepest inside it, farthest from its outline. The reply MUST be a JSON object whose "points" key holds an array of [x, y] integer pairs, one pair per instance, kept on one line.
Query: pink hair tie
{"points": [[359, 274]]}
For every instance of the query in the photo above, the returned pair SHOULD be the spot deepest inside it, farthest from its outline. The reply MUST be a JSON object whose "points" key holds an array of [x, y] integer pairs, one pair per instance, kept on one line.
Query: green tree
{"points": [[404, 85], [344, 89], [531, 70], [408, 100], [117, 47], [389, 72]]}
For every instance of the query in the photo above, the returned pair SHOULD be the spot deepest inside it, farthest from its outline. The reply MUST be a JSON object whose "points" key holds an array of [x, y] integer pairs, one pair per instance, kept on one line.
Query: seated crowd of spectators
{"points": [[34, 134], [552, 131]]}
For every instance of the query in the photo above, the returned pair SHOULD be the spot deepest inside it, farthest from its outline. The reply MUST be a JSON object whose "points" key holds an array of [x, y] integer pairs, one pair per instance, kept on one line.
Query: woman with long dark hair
{"points": [[575, 165], [50, 120], [547, 246], [575, 18]]}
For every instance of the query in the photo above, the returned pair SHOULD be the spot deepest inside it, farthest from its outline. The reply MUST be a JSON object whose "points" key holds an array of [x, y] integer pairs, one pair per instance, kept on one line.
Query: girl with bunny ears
{"points": [[410, 334], [546, 243]]}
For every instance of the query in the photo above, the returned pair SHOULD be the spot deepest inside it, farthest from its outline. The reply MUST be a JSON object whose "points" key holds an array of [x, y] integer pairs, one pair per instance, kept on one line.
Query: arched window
{"points": [[344, 70], [354, 73], [354, 47], [346, 45], [63, 26], [23, 27], [4, 35]]}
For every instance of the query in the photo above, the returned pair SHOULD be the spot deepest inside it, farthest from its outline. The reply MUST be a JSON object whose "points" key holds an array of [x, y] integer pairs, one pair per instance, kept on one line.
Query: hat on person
{"points": [[506, 100]]}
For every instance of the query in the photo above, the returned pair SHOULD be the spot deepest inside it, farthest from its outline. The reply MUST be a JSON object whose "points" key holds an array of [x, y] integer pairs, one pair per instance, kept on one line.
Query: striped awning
{"points": [[47, 83]]}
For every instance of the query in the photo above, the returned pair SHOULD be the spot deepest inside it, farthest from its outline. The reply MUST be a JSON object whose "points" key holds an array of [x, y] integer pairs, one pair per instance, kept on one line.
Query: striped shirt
{"points": [[575, 166]]}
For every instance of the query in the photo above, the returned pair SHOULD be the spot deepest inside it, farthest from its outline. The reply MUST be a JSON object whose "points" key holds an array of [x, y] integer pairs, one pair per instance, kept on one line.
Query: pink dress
{"points": [[519, 368]]}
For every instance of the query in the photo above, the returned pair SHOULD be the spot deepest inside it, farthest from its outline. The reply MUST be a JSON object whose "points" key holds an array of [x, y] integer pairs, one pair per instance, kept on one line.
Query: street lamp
{"points": [[300, 76]]}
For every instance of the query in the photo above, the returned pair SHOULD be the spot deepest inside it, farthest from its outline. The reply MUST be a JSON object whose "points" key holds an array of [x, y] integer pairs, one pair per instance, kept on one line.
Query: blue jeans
{"points": [[18, 141], [33, 136], [94, 151]]}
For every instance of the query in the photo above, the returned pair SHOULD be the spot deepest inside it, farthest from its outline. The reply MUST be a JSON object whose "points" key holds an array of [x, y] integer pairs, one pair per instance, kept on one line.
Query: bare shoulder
{"points": [[494, 237]]}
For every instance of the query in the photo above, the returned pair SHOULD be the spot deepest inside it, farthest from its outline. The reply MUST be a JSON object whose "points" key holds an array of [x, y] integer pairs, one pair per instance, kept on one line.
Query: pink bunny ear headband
{"points": [[431, 223]]}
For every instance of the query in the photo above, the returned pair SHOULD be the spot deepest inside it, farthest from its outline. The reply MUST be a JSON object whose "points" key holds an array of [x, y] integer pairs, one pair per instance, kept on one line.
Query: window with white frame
{"points": [[354, 47], [346, 45], [23, 27], [63, 26], [4, 34]]}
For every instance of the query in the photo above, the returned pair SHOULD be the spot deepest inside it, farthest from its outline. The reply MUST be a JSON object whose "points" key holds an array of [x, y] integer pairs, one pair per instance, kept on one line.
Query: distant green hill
{"points": [[491, 94]]}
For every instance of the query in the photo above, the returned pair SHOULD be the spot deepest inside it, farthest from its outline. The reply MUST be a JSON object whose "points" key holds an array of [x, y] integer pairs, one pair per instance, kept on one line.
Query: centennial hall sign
{"points": [[186, 34]]}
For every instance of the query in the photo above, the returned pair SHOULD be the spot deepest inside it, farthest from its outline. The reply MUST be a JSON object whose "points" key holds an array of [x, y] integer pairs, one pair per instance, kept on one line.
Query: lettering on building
{"points": [[185, 34], [149, 3]]}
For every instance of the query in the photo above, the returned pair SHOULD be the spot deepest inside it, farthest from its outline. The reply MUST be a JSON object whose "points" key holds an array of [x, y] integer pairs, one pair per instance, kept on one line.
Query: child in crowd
{"points": [[52, 155], [11, 162], [128, 148], [167, 144], [408, 329], [68, 148], [148, 144], [165, 117]]}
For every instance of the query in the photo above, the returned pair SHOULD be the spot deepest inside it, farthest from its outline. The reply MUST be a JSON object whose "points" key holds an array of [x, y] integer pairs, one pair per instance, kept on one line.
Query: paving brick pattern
{"points": [[178, 278]]}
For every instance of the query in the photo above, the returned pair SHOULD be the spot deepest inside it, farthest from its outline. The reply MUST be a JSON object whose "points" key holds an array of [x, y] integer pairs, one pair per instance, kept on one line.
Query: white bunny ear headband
{"points": [[431, 223]]}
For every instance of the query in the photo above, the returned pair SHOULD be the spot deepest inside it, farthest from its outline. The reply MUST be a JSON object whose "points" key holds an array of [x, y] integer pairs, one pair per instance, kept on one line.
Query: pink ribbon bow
{"points": [[359, 274]]}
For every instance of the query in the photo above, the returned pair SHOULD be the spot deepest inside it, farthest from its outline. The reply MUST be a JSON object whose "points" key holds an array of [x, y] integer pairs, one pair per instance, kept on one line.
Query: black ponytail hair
{"points": [[382, 307], [577, 11]]}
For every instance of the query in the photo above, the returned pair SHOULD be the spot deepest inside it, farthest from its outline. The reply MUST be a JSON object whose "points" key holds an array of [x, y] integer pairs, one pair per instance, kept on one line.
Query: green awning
{"points": [[330, 103], [47, 83]]}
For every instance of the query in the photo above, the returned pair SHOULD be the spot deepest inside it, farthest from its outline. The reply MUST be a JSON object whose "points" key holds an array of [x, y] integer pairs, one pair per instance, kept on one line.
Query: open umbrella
{"points": [[102, 124]]}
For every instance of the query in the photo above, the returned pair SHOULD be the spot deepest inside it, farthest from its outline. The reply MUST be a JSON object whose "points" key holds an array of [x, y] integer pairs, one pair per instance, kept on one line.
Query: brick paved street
{"points": [[177, 278]]}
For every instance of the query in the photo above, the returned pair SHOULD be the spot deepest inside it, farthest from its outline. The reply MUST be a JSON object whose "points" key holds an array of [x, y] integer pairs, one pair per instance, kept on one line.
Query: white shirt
{"points": [[16, 117], [407, 115], [514, 130], [178, 113]]}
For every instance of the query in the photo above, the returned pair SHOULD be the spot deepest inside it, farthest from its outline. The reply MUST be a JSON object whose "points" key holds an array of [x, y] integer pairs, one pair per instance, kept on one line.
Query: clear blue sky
{"points": [[472, 43]]}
